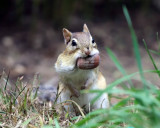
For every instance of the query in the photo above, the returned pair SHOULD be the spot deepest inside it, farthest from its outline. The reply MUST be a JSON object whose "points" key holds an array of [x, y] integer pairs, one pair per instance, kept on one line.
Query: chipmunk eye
{"points": [[74, 43], [93, 41]]}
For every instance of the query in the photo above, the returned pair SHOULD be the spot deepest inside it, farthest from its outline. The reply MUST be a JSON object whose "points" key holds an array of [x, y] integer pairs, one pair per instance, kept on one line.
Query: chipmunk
{"points": [[73, 78]]}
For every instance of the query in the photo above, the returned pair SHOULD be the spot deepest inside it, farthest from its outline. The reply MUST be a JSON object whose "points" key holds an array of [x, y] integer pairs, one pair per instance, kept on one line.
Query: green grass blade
{"points": [[115, 83], [25, 123], [135, 43], [158, 41], [19, 93], [154, 64], [47, 126], [56, 123], [7, 81], [152, 51], [110, 86], [25, 102], [117, 63], [89, 117], [1, 112], [35, 95]]}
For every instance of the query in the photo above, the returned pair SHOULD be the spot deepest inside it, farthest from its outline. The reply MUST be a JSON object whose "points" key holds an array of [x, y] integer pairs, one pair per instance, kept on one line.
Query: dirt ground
{"points": [[25, 51]]}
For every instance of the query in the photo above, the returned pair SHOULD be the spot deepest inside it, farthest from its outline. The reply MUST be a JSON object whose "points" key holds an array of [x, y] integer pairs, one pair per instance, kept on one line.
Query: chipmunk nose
{"points": [[87, 52]]}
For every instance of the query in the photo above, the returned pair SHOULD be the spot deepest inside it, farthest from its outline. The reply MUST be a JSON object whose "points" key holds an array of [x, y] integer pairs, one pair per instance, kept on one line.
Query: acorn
{"points": [[89, 62]]}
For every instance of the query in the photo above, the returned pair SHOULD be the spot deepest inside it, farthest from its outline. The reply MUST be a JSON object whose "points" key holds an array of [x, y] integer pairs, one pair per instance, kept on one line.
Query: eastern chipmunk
{"points": [[74, 78]]}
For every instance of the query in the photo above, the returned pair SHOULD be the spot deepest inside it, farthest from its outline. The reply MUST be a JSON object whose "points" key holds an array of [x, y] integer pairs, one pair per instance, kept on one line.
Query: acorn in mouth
{"points": [[89, 62]]}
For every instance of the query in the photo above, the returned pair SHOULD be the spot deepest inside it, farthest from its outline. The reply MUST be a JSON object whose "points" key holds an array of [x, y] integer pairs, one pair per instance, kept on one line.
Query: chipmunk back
{"points": [[86, 75]]}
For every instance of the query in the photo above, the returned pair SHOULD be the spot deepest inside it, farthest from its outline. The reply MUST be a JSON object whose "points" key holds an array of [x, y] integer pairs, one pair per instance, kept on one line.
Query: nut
{"points": [[88, 62]]}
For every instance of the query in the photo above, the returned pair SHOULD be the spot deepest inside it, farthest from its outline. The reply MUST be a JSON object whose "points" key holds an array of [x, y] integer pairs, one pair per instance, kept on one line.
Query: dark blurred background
{"points": [[31, 32]]}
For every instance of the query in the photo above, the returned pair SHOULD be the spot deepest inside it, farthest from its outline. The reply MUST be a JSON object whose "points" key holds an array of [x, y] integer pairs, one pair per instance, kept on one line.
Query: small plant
{"points": [[19, 106]]}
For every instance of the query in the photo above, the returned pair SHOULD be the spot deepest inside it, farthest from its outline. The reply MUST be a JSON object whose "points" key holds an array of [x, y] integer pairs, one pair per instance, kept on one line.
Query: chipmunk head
{"points": [[80, 43], [79, 47]]}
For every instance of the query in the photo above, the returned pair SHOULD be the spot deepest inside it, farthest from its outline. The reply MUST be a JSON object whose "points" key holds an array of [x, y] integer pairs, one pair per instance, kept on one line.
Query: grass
{"points": [[139, 108]]}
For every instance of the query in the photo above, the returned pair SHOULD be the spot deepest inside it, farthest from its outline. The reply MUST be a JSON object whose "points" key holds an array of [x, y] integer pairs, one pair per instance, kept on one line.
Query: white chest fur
{"points": [[78, 78]]}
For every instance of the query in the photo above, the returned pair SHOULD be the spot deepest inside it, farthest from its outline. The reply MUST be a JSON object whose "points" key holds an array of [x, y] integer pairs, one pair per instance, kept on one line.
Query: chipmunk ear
{"points": [[85, 28], [67, 35]]}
